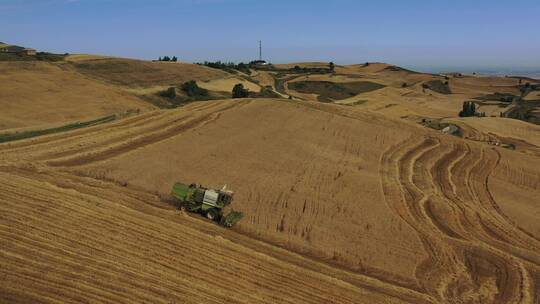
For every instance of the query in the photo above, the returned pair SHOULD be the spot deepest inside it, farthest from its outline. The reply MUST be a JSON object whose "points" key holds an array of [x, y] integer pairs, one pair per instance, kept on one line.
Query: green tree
{"points": [[193, 90], [331, 66], [166, 58], [169, 93], [468, 109], [239, 91], [174, 59]]}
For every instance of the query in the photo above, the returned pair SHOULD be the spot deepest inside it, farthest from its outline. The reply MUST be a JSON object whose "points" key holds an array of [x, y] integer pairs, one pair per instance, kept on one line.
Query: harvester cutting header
{"points": [[208, 202]]}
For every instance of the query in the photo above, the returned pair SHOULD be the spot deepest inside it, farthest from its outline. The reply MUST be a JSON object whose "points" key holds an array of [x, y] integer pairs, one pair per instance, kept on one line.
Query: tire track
{"points": [[441, 190]]}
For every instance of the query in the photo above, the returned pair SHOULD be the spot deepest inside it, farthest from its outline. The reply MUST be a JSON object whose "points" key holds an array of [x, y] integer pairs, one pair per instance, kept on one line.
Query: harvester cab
{"points": [[208, 202]]}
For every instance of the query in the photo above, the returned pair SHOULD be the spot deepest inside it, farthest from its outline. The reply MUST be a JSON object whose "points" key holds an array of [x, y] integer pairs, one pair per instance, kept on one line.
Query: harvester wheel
{"points": [[212, 214]]}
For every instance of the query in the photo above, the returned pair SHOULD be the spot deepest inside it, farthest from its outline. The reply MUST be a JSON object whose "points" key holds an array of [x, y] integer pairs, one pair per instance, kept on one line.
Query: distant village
{"points": [[15, 49]]}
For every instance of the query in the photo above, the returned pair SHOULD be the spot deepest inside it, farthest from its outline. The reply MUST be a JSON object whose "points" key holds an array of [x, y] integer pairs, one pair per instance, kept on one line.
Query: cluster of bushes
{"points": [[40, 56], [193, 90], [168, 93], [45, 56], [190, 89], [266, 92], [503, 97], [437, 86], [167, 58], [239, 91], [230, 67], [469, 110], [527, 87], [299, 70]]}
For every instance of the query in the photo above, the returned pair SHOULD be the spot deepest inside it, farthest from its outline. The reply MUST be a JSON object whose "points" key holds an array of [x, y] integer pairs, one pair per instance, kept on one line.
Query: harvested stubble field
{"points": [[342, 205], [379, 211], [138, 73]]}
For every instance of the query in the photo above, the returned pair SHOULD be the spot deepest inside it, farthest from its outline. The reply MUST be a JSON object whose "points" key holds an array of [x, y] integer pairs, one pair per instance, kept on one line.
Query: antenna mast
{"points": [[260, 50]]}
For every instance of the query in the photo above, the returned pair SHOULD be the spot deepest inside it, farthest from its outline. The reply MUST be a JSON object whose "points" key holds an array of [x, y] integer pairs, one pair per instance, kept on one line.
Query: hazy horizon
{"points": [[422, 35]]}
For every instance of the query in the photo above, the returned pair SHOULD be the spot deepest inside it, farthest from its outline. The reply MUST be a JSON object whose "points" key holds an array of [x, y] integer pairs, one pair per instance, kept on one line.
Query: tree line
{"points": [[231, 67], [228, 66], [167, 58]]}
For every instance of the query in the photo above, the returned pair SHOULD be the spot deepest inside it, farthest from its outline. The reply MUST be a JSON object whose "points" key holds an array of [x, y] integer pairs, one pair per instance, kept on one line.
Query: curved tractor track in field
{"points": [[477, 255]]}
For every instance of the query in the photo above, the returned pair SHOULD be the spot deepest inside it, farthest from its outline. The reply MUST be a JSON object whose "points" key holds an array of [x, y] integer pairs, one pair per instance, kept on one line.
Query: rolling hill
{"points": [[352, 200], [41, 94]]}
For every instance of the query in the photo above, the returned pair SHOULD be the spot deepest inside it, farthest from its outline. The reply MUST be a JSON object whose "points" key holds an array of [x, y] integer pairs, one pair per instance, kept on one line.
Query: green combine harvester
{"points": [[208, 202]]}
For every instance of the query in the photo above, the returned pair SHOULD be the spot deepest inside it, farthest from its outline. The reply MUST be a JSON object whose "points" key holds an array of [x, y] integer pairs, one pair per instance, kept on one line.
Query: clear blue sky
{"points": [[414, 33]]}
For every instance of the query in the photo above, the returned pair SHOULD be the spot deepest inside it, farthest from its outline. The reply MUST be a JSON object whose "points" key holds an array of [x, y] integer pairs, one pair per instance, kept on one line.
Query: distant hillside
{"points": [[138, 73], [42, 94], [12, 47]]}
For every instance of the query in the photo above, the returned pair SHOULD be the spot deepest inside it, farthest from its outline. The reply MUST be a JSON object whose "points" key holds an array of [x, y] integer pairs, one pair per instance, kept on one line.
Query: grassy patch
{"points": [[437, 125], [323, 98], [437, 86], [29, 134], [188, 92], [266, 92], [38, 57], [394, 68], [359, 102], [335, 91], [500, 97], [279, 82]]}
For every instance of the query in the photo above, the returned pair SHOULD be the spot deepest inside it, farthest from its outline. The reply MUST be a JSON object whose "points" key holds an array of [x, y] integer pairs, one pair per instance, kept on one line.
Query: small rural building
{"points": [[28, 52], [15, 49], [260, 62]]}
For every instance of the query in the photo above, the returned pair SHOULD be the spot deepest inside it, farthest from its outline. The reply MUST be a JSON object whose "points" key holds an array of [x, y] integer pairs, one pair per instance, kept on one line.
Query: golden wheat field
{"points": [[347, 196]]}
